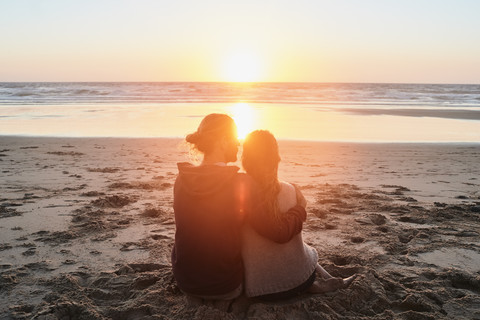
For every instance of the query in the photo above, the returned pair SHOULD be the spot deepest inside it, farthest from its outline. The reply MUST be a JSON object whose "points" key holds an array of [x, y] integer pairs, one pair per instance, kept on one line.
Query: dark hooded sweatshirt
{"points": [[211, 203]]}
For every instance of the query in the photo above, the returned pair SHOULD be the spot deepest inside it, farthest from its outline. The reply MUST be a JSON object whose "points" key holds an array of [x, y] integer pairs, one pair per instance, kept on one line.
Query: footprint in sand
{"points": [[30, 252], [5, 246], [357, 239]]}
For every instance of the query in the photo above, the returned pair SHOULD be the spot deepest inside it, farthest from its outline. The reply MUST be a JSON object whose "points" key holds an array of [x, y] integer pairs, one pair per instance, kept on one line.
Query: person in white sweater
{"points": [[276, 271]]}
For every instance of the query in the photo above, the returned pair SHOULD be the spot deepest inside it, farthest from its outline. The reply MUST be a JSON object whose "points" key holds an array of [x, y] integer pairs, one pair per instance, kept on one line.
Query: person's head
{"points": [[216, 134], [260, 156]]}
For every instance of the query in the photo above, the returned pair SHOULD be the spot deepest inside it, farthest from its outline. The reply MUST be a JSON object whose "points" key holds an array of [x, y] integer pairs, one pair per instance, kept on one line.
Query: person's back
{"points": [[206, 258], [271, 267]]}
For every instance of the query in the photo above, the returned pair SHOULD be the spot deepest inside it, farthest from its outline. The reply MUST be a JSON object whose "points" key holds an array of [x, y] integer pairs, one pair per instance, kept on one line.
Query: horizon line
{"points": [[251, 82]]}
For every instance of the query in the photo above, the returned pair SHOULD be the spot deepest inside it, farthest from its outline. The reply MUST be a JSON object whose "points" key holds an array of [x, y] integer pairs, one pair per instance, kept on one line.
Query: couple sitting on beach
{"points": [[241, 232]]}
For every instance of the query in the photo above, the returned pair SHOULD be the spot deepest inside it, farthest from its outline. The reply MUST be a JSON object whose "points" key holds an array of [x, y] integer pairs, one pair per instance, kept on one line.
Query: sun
{"points": [[245, 118], [242, 67]]}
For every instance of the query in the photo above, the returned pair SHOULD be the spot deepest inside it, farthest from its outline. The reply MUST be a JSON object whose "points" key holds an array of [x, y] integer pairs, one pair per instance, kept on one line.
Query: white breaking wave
{"points": [[334, 94]]}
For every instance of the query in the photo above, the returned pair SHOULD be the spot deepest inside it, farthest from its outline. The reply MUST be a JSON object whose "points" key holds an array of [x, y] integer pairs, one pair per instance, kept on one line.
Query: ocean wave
{"points": [[212, 92], [89, 92], [24, 94]]}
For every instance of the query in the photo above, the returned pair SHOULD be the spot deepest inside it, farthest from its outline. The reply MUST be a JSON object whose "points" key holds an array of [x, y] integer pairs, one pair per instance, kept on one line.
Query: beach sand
{"points": [[87, 227]]}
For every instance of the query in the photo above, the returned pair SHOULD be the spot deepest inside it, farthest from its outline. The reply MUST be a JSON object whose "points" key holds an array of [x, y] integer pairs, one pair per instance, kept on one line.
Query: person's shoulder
{"points": [[286, 187], [287, 196], [184, 164]]}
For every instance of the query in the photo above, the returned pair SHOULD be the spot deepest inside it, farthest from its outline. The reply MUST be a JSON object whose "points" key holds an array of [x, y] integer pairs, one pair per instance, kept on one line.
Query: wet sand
{"points": [[86, 230]]}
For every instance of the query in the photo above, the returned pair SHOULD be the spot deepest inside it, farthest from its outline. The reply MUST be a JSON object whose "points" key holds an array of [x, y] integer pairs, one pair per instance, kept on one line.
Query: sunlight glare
{"points": [[242, 67], [244, 117]]}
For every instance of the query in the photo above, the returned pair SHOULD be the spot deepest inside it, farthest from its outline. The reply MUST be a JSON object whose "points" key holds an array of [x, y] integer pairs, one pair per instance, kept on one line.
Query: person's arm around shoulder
{"points": [[282, 229]]}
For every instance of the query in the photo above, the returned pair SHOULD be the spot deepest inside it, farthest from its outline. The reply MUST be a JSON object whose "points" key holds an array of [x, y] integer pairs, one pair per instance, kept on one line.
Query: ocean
{"points": [[358, 112]]}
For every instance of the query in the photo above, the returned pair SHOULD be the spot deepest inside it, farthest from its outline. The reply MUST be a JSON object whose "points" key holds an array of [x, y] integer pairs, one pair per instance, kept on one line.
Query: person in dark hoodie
{"points": [[211, 203]]}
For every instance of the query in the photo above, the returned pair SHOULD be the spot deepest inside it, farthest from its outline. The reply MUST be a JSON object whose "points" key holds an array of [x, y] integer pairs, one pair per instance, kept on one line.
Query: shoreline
{"points": [[180, 139]]}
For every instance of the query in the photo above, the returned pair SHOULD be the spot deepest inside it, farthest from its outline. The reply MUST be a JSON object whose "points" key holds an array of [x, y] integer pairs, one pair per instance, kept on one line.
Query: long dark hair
{"points": [[260, 160]]}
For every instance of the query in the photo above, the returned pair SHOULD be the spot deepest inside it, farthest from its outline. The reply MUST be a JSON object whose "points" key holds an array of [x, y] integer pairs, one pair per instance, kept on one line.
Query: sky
{"points": [[394, 41]]}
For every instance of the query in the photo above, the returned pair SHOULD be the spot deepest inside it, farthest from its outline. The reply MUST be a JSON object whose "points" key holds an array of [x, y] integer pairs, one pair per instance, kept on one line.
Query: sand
{"points": [[86, 230]]}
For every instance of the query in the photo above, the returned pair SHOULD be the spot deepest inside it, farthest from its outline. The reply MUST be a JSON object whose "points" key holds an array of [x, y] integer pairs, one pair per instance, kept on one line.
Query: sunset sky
{"points": [[409, 41]]}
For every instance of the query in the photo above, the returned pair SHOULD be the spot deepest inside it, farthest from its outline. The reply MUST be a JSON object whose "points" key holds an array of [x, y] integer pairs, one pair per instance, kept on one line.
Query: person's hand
{"points": [[300, 198]]}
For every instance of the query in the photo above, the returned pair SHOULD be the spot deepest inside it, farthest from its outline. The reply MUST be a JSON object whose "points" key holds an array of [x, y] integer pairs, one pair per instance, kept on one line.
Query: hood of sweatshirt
{"points": [[205, 179]]}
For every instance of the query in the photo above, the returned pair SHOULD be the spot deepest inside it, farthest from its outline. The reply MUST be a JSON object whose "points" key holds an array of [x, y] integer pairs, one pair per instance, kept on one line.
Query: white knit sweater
{"points": [[271, 267]]}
